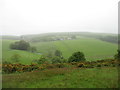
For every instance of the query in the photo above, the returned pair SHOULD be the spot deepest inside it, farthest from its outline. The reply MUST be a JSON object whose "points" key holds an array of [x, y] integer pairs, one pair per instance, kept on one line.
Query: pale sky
{"points": [[18, 17]]}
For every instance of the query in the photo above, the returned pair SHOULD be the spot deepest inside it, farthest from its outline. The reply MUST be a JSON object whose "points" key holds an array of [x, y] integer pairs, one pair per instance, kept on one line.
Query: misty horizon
{"points": [[38, 17], [56, 32]]}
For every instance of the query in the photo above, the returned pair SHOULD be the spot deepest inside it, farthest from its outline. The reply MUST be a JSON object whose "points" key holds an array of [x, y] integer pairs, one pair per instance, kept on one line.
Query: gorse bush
{"points": [[41, 60], [11, 68], [56, 59]]}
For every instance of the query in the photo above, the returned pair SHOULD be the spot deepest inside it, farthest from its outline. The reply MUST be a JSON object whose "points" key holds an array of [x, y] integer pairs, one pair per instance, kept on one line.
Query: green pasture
{"points": [[93, 49], [7, 53]]}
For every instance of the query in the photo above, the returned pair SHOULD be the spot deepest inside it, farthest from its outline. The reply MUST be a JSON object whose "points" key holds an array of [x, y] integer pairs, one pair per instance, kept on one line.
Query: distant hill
{"points": [[113, 38], [10, 37]]}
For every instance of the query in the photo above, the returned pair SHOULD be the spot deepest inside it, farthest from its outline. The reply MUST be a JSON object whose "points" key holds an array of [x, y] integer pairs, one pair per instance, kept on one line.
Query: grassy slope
{"points": [[26, 57], [92, 48], [64, 78]]}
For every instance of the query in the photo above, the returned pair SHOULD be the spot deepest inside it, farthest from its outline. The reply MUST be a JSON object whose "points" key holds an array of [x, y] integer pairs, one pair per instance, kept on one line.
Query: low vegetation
{"points": [[61, 60], [10, 68], [99, 74], [117, 56]]}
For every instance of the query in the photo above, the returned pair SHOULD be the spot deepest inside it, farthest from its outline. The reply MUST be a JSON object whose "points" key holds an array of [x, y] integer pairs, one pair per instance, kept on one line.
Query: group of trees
{"points": [[22, 45], [58, 58], [55, 58]]}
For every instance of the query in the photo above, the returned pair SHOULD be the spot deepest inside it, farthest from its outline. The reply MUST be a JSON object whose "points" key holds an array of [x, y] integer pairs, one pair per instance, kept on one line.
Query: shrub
{"points": [[74, 63], [59, 65], [50, 66], [64, 60], [56, 59], [42, 60], [106, 64], [29, 68], [58, 53], [117, 56], [8, 68], [98, 65], [80, 65], [76, 57]]}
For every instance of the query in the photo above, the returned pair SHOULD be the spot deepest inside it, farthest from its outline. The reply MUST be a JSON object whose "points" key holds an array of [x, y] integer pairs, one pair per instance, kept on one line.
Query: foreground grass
{"points": [[105, 77]]}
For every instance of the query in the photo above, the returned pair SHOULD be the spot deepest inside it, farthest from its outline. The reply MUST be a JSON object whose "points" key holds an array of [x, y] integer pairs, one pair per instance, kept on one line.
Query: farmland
{"points": [[92, 48], [26, 57], [92, 73]]}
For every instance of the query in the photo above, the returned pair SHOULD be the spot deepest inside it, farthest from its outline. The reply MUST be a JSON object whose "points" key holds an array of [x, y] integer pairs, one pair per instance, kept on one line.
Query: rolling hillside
{"points": [[94, 49], [26, 57]]}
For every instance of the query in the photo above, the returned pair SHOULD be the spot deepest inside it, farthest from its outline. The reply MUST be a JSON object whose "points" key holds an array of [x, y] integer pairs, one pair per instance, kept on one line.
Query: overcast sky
{"points": [[19, 17]]}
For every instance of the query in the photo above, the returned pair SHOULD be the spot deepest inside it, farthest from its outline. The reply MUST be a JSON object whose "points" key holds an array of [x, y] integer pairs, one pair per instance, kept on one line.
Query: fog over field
{"points": [[59, 44], [20, 17]]}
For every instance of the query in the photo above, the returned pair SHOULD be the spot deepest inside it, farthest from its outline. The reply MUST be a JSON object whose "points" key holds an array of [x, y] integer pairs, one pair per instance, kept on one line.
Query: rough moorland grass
{"points": [[105, 77]]}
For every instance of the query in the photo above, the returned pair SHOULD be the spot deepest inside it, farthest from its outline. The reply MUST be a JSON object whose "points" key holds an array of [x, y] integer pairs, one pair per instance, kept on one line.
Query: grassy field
{"points": [[25, 57], [92, 48], [67, 77], [105, 77]]}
